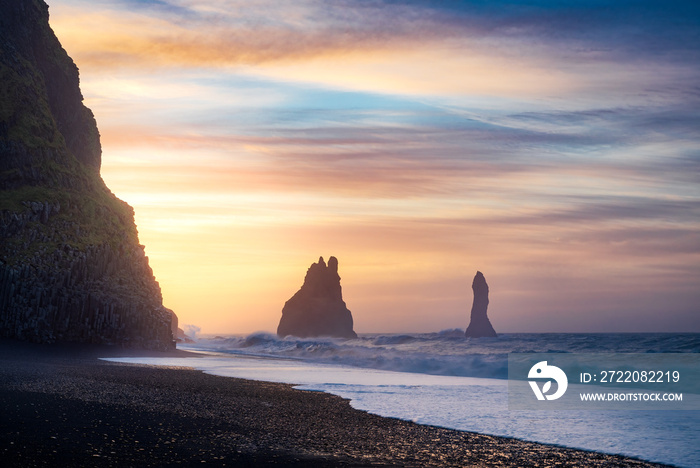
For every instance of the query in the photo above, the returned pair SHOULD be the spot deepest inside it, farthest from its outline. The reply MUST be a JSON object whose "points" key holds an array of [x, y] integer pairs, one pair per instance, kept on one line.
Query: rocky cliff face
{"points": [[71, 266], [318, 309], [479, 325]]}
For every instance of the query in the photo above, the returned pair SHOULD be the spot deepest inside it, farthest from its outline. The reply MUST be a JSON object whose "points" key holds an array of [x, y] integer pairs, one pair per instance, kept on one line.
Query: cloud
{"points": [[586, 210], [554, 145], [239, 34], [517, 51], [417, 152]]}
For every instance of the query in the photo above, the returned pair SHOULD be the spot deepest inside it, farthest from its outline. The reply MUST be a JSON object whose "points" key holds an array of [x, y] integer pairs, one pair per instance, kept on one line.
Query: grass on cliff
{"points": [[24, 108], [88, 216]]}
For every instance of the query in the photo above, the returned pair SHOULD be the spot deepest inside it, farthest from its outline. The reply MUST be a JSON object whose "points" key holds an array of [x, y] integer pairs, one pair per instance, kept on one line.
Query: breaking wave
{"points": [[447, 352]]}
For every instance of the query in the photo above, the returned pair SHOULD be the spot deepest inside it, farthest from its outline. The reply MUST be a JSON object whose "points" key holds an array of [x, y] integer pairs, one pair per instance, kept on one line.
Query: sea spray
{"points": [[446, 352]]}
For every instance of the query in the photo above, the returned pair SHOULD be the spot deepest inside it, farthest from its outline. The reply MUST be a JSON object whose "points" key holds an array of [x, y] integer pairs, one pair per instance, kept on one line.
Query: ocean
{"points": [[447, 380]]}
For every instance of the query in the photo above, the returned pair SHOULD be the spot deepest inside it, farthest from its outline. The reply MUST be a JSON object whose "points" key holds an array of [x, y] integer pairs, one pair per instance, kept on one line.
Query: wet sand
{"points": [[64, 407]]}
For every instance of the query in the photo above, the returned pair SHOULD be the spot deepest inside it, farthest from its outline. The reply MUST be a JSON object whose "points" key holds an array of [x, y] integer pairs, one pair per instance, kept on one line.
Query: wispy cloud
{"points": [[375, 46], [552, 144]]}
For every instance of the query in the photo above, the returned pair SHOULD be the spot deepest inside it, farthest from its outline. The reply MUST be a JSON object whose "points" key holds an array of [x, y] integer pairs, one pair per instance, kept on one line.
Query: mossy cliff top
{"points": [[49, 143], [41, 105]]}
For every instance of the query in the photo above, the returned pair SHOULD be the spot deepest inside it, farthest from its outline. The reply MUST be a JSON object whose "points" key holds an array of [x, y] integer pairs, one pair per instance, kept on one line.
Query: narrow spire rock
{"points": [[479, 325]]}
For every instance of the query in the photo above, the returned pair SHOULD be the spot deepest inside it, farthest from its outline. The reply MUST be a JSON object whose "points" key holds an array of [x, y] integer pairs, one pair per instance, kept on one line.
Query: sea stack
{"points": [[480, 326], [318, 309], [71, 265]]}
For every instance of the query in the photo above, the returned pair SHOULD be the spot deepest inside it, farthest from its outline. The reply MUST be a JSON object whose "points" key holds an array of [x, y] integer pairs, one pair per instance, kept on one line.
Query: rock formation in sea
{"points": [[178, 333], [71, 266], [318, 309], [479, 325]]}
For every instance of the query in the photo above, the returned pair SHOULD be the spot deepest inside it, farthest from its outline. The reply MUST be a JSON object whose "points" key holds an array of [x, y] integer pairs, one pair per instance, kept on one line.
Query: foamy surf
{"points": [[375, 373], [443, 353]]}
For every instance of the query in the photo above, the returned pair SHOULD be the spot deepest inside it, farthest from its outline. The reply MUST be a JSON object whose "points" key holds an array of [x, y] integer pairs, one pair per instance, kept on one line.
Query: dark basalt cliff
{"points": [[479, 325], [318, 309], [71, 266]]}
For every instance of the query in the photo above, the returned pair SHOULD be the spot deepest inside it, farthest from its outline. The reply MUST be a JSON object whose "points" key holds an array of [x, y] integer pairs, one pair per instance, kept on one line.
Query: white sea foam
{"points": [[444, 353], [442, 382]]}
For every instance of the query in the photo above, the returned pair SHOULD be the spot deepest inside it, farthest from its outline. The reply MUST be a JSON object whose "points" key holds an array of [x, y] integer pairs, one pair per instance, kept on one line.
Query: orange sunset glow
{"points": [[415, 143]]}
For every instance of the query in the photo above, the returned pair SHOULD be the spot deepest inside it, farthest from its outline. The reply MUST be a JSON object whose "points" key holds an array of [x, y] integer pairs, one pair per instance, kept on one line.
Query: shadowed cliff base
{"points": [[479, 325], [71, 266], [66, 408], [318, 309]]}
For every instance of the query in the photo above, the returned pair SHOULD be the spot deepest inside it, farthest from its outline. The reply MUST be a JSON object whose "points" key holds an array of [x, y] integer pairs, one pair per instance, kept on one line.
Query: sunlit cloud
{"points": [[552, 146], [376, 47]]}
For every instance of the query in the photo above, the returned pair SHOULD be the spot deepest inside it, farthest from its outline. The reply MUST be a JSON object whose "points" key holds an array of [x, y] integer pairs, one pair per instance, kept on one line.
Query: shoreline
{"points": [[64, 406]]}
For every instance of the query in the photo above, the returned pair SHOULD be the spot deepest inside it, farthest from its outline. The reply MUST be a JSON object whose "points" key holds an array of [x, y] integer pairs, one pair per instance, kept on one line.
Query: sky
{"points": [[552, 145]]}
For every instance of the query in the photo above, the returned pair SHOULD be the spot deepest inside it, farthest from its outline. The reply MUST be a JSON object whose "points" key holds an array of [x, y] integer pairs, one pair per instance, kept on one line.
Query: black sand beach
{"points": [[63, 407]]}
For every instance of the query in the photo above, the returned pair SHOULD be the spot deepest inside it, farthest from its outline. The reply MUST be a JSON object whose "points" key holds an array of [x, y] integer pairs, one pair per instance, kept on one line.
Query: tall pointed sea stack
{"points": [[480, 326], [318, 309], [71, 266]]}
